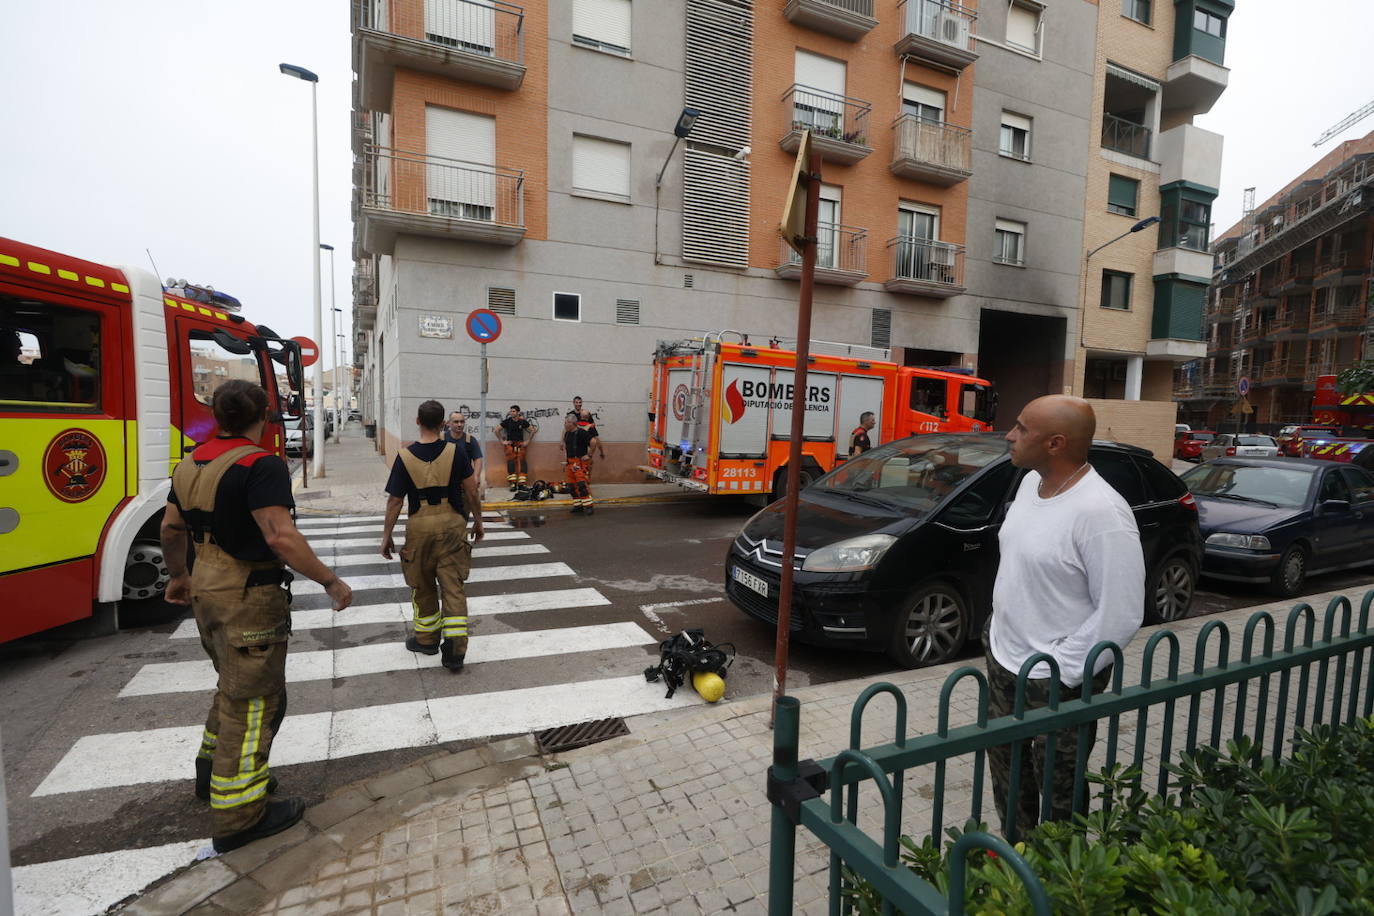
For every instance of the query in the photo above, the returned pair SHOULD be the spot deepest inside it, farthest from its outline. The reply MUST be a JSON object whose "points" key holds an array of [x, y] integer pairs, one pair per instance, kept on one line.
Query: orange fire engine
{"points": [[720, 414], [105, 379]]}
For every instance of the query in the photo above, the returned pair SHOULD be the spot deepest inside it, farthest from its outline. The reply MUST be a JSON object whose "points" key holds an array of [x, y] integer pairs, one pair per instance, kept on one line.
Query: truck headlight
{"points": [[1245, 541], [851, 555]]}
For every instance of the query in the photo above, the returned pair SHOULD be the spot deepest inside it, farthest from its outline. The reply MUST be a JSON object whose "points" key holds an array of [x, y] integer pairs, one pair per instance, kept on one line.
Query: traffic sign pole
{"points": [[482, 417], [483, 326]]}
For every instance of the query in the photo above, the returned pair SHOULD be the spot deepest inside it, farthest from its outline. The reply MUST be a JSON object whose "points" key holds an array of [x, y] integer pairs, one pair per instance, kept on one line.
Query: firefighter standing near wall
{"points": [[435, 478], [585, 421], [576, 448], [515, 433], [235, 499]]}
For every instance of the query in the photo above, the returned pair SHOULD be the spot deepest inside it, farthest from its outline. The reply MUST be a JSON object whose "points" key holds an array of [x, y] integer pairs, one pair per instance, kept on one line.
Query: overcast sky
{"points": [[166, 125]]}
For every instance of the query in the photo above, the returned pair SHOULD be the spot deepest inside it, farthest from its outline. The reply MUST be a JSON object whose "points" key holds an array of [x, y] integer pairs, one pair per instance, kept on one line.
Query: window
{"points": [[1116, 290], [601, 167], [467, 26], [603, 25], [1015, 138], [979, 503], [1010, 246], [1119, 471], [818, 101], [567, 307], [1122, 195], [1194, 225], [919, 255], [928, 396], [925, 103], [1210, 23], [460, 179], [1023, 26], [49, 356], [212, 365], [1139, 10]]}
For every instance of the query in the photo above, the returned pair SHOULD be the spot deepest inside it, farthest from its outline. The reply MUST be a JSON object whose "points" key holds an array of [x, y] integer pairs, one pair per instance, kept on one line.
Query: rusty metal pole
{"points": [[794, 447]]}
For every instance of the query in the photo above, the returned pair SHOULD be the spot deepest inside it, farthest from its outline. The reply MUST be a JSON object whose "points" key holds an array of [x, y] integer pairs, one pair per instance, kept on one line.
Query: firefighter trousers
{"points": [[578, 481], [436, 560], [244, 629], [517, 472]]}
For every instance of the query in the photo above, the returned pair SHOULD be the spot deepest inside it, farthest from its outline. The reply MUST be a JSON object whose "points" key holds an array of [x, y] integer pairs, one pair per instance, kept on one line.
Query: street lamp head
{"points": [[685, 121], [1147, 221], [324, 247], [299, 73]]}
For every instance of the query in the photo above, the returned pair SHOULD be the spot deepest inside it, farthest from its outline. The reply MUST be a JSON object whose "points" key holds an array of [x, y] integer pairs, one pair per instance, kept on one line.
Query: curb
{"points": [[248, 878]]}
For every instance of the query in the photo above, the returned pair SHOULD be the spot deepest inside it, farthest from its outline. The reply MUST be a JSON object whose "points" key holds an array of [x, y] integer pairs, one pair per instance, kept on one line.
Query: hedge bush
{"points": [[1238, 835]]}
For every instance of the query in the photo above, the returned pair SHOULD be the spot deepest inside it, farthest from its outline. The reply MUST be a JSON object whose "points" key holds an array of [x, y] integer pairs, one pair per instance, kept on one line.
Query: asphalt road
{"points": [[659, 567]]}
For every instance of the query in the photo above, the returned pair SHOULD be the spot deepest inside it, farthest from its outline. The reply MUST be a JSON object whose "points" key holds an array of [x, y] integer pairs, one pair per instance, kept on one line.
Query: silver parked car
{"points": [[1241, 445]]}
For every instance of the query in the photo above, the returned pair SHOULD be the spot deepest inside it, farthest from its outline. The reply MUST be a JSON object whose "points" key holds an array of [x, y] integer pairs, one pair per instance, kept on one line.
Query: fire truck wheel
{"points": [[808, 475], [145, 571], [930, 627]]}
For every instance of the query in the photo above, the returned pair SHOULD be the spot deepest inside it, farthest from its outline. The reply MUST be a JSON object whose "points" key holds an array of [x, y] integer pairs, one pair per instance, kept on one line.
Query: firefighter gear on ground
{"points": [[436, 560], [242, 611], [689, 654]]}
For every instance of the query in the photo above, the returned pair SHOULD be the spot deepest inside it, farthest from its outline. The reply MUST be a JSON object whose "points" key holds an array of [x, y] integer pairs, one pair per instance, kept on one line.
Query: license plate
{"points": [[749, 580]]}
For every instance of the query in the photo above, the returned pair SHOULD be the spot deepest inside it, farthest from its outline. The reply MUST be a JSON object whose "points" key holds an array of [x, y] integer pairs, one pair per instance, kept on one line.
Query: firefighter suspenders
{"points": [[196, 486], [430, 478]]}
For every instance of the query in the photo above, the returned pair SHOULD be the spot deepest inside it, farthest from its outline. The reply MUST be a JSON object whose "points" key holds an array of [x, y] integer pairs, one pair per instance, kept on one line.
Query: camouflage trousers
{"points": [[1002, 696]]}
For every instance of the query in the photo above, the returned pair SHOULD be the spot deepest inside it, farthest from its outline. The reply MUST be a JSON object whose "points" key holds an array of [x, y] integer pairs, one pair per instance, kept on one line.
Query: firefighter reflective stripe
{"points": [[250, 783], [424, 624], [208, 742], [455, 626]]}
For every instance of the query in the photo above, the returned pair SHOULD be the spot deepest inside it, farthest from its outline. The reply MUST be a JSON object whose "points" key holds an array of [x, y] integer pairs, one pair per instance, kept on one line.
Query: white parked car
{"points": [[298, 437], [1241, 445]]}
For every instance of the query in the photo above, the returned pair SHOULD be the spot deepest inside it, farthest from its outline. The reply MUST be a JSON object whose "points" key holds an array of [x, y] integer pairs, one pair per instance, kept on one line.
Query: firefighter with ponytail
{"points": [[234, 501]]}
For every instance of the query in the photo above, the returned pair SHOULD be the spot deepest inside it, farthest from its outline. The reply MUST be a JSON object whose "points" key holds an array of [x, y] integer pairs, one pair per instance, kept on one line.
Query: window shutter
{"points": [[1022, 23], [471, 140], [501, 301], [915, 92], [821, 73], [627, 311], [460, 23], [1122, 192], [603, 21], [1016, 121], [602, 166]]}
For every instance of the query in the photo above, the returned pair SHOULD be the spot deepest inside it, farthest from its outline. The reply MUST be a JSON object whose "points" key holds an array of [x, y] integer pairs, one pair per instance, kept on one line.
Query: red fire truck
{"points": [[105, 379], [720, 413], [1353, 414]]}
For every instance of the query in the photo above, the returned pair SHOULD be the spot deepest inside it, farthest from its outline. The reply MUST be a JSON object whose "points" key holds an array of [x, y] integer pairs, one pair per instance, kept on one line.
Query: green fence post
{"points": [[782, 851]]}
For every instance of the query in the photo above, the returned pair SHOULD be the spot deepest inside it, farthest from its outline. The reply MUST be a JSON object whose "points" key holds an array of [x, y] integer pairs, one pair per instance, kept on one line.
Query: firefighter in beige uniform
{"points": [[435, 478], [235, 499]]}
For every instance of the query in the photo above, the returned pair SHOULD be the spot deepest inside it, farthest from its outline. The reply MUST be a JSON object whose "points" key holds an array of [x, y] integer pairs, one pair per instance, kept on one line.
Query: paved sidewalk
{"points": [[669, 819], [355, 475]]}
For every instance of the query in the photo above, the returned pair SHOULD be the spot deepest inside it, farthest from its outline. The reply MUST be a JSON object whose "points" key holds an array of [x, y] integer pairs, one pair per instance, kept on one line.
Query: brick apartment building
{"points": [[523, 159], [1290, 297]]}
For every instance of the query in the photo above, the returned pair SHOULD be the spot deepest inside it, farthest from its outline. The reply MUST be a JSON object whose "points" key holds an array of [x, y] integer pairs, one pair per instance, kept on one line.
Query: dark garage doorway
{"points": [[1023, 356]]}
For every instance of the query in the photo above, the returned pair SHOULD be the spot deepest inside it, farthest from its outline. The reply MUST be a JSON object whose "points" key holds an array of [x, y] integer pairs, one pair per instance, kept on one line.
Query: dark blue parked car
{"points": [[1280, 520]]}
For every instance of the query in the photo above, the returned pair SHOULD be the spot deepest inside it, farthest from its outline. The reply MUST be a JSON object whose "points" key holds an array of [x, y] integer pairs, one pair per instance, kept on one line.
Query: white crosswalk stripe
{"points": [[335, 520], [181, 677], [160, 754], [399, 611], [94, 883], [370, 530], [478, 574], [370, 539], [344, 560]]}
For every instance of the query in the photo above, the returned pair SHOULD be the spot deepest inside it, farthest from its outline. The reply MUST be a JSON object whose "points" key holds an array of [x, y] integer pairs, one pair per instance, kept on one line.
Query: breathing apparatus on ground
{"points": [[690, 655]]}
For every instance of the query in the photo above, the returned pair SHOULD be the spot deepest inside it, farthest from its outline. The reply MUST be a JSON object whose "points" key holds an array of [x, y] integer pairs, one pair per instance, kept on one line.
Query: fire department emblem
{"points": [[74, 465], [680, 402]]}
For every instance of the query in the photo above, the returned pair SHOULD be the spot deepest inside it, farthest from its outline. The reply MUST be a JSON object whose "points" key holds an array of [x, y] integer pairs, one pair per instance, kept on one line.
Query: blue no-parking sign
{"points": [[483, 325]]}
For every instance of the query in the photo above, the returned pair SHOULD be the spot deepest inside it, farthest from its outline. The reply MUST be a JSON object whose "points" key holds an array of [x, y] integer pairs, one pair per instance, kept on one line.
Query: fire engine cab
{"points": [[720, 413], [105, 383]]}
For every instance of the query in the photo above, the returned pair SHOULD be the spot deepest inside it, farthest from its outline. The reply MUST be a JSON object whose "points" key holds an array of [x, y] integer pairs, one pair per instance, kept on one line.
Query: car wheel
{"points": [[1288, 579], [931, 627], [1169, 590]]}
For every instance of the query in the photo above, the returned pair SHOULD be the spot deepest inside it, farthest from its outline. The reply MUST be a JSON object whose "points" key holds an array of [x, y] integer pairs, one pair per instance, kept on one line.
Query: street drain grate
{"points": [[567, 737]]}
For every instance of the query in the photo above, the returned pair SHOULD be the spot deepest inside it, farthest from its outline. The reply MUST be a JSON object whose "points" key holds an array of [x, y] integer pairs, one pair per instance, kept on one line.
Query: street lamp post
{"points": [[334, 345], [682, 128], [1083, 296], [317, 378]]}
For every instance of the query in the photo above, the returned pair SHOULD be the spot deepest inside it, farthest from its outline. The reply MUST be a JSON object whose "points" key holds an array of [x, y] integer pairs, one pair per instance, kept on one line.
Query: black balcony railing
{"points": [[1125, 136]]}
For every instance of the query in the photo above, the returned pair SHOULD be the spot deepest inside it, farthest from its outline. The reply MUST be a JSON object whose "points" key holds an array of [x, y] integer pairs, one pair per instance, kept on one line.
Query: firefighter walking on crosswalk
{"points": [[435, 481], [235, 501]]}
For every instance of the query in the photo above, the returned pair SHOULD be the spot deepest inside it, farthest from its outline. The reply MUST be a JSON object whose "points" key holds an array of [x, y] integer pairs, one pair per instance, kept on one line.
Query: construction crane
{"points": [[1353, 118]]}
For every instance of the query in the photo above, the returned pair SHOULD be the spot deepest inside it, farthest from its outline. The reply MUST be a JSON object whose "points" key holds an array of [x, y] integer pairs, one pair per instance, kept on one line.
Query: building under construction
{"points": [[1290, 298]]}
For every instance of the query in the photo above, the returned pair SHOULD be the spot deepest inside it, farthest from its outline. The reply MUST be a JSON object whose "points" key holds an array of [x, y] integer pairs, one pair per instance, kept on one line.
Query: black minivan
{"points": [[897, 548]]}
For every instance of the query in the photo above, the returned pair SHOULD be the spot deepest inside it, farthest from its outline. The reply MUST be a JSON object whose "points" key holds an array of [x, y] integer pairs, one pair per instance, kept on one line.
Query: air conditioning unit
{"points": [[952, 30]]}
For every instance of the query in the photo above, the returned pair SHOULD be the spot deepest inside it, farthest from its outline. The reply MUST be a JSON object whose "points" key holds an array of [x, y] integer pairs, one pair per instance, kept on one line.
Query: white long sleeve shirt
{"points": [[1071, 574]]}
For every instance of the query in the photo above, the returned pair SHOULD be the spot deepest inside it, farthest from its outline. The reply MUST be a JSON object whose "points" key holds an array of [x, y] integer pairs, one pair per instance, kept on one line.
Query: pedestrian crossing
{"points": [[511, 580]]}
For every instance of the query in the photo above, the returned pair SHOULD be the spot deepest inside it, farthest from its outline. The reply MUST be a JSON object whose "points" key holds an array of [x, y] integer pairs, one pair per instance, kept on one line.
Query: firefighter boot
{"points": [[203, 765], [279, 816], [447, 657], [415, 645]]}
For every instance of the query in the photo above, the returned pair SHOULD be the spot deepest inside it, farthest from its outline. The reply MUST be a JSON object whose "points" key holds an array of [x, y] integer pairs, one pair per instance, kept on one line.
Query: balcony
{"points": [[1283, 371], [1125, 136], [476, 42], [1194, 84], [1316, 369], [1296, 279], [1223, 308], [1219, 384], [938, 32], [930, 151], [847, 19], [841, 256], [838, 124], [1287, 324], [412, 194], [1334, 320], [1340, 269], [924, 267]]}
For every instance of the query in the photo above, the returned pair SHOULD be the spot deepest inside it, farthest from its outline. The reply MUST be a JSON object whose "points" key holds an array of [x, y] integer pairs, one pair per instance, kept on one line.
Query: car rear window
{"points": [[1203, 437], [1160, 482], [1255, 440]]}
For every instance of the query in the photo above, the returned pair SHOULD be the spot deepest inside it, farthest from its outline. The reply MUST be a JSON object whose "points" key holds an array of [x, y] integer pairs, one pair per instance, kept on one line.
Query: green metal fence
{"points": [[1318, 680]]}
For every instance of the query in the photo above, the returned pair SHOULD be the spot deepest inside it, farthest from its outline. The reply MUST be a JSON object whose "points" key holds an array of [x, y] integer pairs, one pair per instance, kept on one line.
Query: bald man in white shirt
{"points": [[1071, 574]]}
